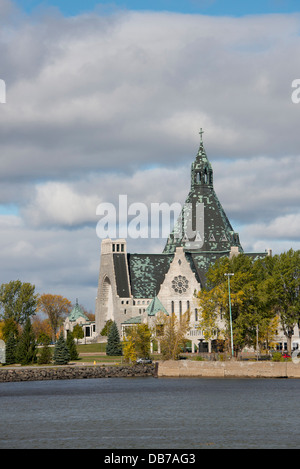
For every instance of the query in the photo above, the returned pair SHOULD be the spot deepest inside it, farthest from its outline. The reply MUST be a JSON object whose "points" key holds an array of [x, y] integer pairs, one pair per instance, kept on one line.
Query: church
{"points": [[133, 288]]}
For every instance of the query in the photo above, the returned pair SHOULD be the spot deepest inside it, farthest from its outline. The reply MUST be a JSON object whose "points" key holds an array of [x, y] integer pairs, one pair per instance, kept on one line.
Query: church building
{"points": [[133, 288]]}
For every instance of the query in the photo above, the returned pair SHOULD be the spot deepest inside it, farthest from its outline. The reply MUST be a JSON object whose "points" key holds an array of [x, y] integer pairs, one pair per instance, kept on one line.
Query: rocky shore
{"points": [[75, 372]]}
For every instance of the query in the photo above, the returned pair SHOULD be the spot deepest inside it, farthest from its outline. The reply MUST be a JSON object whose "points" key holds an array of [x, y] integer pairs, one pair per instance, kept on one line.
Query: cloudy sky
{"points": [[107, 98]]}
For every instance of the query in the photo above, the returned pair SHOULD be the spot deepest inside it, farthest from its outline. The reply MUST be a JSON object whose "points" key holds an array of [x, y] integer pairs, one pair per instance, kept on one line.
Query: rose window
{"points": [[180, 284]]}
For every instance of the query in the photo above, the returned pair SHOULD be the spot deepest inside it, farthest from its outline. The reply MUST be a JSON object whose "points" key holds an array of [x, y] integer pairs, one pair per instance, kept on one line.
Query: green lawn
{"points": [[91, 348]]}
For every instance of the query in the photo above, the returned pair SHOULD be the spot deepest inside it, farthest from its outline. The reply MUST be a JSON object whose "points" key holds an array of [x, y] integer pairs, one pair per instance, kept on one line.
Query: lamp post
{"points": [[230, 316]]}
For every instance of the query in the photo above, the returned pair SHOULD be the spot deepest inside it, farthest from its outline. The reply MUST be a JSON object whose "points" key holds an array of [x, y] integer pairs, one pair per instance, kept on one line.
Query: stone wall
{"points": [[170, 368], [75, 372], [228, 369]]}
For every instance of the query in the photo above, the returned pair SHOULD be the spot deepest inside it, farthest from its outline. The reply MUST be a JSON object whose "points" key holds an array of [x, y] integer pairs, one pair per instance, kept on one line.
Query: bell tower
{"points": [[201, 171]]}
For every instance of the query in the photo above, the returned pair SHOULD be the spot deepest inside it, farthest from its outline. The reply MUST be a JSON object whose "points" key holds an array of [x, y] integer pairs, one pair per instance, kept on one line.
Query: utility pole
{"points": [[230, 315]]}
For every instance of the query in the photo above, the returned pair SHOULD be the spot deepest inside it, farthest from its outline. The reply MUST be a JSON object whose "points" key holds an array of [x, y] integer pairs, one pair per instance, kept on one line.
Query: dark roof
{"points": [[147, 272], [121, 275]]}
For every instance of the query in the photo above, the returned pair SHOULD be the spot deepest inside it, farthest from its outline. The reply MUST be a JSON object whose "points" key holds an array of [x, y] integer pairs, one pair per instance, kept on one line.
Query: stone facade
{"points": [[128, 283]]}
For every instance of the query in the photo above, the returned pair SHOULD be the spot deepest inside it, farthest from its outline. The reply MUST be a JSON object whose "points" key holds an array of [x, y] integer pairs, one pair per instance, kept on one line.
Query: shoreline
{"points": [[161, 369]]}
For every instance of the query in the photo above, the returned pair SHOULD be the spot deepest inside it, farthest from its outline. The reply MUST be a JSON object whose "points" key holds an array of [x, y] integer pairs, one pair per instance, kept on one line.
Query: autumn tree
{"points": [[56, 307], [137, 342], [42, 329], [18, 301], [172, 333]]}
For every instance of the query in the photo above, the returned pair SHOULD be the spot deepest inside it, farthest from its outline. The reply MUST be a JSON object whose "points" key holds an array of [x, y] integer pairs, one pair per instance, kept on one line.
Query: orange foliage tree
{"points": [[56, 307]]}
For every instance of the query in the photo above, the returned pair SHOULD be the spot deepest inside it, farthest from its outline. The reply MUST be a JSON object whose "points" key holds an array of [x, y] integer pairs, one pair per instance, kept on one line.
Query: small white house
{"points": [[77, 316]]}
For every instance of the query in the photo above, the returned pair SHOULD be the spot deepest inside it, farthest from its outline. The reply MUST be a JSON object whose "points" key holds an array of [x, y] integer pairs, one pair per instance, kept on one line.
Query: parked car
{"points": [[144, 360]]}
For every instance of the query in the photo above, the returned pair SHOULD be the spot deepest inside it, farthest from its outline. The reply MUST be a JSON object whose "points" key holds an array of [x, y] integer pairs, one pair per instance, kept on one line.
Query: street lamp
{"points": [[231, 334]]}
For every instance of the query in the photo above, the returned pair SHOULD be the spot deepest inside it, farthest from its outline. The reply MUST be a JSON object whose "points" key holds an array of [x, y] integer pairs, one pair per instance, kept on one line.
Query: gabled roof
{"points": [[155, 307]]}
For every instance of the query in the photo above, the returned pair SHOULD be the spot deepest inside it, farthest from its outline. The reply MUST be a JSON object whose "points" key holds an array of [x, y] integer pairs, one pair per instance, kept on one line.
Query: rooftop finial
{"points": [[201, 133]]}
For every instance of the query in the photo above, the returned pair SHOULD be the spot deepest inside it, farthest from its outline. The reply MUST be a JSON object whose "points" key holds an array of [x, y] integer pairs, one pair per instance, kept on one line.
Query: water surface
{"points": [[149, 413]]}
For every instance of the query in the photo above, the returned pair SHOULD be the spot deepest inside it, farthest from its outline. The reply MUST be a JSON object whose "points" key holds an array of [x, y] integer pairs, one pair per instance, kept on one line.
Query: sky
{"points": [[103, 99]]}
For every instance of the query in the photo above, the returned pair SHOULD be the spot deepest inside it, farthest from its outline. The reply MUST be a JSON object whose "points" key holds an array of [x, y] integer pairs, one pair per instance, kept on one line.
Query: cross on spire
{"points": [[201, 133]]}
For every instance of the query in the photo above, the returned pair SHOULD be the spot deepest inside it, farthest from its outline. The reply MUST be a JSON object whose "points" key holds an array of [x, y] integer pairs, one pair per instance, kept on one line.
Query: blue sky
{"points": [[207, 7]]}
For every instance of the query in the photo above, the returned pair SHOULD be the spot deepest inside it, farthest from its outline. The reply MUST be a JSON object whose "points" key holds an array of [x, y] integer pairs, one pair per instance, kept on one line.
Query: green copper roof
{"points": [[155, 307], [147, 272], [135, 320], [77, 313], [216, 233]]}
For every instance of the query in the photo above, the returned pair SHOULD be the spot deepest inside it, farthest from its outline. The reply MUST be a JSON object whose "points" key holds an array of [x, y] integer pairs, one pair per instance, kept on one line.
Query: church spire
{"points": [[201, 171], [211, 229]]}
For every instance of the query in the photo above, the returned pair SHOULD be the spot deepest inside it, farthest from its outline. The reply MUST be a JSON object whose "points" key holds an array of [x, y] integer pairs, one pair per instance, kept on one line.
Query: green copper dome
{"points": [[76, 313]]}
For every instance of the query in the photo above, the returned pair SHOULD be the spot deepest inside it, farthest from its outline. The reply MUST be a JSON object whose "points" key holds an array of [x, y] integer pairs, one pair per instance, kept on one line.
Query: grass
{"points": [[91, 348]]}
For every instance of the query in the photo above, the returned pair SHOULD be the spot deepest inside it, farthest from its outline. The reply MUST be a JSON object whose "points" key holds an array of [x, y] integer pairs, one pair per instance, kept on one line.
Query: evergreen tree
{"points": [[72, 347], [114, 346], [26, 348], [61, 354], [11, 346], [45, 355]]}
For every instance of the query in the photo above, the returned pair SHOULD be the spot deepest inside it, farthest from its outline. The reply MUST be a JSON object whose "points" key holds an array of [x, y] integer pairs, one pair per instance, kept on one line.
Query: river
{"points": [[150, 413]]}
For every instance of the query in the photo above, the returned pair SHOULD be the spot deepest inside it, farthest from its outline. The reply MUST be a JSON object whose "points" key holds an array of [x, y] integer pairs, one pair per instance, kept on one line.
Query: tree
{"points": [[10, 352], [72, 347], [61, 354], [129, 350], [284, 289], [45, 355], [26, 348], [105, 330], [137, 342], [114, 347], [250, 306], [172, 334], [18, 301], [42, 329], [56, 307], [10, 327], [78, 332]]}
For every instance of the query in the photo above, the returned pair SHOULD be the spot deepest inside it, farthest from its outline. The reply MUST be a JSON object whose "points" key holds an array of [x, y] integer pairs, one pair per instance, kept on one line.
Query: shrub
{"points": [[277, 357]]}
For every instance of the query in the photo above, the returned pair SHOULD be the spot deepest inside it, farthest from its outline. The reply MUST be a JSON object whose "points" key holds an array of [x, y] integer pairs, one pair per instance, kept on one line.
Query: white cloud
{"points": [[99, 106], [56, 203]]}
